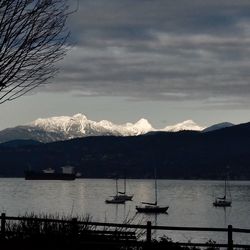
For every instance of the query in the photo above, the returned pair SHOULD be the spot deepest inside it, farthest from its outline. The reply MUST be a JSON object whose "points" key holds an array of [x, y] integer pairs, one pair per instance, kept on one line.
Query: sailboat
{"points": [[223, 201], [149, 207], [115, 199], [123, 195]]}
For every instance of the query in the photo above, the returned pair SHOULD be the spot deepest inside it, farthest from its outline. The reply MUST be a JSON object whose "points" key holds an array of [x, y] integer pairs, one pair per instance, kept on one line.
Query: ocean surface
{"points": [[189, 201]]}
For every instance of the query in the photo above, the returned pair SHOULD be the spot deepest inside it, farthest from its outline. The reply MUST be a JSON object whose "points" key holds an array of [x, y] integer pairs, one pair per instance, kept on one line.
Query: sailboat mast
{"points": [[125, 182], [225, 189], [226, 180], [116, 186], [155, 188]]}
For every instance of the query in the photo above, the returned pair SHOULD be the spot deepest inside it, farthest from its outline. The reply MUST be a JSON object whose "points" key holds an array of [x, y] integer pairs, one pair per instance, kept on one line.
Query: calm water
{"points": [[190, 203]]}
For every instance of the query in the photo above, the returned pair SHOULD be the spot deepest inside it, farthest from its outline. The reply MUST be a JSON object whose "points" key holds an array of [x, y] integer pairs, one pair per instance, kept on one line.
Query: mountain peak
{"points": [[186, 125], [59, 123], [143, 123], [218, 126]]}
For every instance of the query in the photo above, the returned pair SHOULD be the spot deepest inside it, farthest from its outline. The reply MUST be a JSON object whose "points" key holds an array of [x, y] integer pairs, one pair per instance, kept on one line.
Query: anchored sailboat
{"points": [[224, 201], [116, 199], [123, 195], [149, 207]]}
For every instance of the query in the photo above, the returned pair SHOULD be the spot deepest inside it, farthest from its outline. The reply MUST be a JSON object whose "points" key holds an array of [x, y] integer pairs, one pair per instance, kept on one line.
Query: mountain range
{"points": [[68, 127], [183, 154]]}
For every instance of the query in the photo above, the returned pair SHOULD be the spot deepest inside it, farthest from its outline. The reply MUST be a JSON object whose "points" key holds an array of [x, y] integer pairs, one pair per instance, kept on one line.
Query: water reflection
{"points": [[120, 212]]}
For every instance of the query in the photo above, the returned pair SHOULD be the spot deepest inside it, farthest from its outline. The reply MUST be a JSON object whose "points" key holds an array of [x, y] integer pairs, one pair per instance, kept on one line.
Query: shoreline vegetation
{"points": [[55, 232]]}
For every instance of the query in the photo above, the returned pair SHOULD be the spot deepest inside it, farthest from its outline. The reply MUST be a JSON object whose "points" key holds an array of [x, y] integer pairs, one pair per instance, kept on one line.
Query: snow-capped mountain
{"points": [[69, 127], [79, 126], [186, 125]]}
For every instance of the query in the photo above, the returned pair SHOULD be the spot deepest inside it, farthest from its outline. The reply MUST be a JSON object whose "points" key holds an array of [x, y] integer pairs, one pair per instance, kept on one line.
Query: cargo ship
{"points": [[50, 174]]}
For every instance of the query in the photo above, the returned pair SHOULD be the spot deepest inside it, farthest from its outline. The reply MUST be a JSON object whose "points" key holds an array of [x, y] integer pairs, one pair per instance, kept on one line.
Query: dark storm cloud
{"points": [[160, 50]]}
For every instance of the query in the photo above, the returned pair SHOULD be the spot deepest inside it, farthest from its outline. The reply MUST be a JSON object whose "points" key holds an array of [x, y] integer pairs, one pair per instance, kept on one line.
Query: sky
{"points": [[163, 60]]}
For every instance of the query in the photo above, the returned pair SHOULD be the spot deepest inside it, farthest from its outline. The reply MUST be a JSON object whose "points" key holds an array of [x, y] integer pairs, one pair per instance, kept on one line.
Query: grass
{"points": [[46, 232]]}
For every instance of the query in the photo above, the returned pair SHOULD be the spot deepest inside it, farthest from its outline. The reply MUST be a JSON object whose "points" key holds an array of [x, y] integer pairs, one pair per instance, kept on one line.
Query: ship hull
{"points": [[151, 209], [222, 204], [31, 175]]}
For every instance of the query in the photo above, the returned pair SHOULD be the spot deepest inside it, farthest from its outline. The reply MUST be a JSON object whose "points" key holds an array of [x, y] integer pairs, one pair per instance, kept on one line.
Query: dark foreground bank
{"points": [[52, 232]]}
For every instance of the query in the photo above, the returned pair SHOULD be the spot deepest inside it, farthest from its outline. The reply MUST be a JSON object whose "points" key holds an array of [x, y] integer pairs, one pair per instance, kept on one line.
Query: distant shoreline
{"points": [[131, 178]]}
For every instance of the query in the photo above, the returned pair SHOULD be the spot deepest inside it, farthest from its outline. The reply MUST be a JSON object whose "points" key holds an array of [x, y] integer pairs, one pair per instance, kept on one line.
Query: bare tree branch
{"points": [[32, 39]]}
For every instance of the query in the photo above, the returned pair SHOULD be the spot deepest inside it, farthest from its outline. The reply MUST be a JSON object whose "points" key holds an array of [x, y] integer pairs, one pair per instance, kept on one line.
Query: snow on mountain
{"points": [[186, 125], [140, 127], [62, 123], [79, 126], [69, 127]]}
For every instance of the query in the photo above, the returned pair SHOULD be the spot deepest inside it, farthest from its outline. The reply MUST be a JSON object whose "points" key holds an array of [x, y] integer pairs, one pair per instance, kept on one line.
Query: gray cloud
{"points": [[160, 50]]}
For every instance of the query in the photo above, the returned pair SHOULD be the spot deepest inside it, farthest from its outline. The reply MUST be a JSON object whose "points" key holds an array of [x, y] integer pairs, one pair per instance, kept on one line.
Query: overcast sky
{"points": [[164, 60]]}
